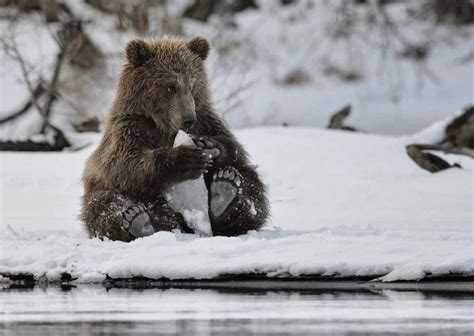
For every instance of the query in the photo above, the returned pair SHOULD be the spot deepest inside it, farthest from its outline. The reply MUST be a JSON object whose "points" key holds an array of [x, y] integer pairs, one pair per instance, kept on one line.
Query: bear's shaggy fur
{"points": [[163, 85]]}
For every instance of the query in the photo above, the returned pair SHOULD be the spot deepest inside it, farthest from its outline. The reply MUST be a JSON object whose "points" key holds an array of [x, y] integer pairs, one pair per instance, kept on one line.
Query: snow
{"points": [[343, 204], [190, 198], [393, 96], [247, 64], [434, 133]]}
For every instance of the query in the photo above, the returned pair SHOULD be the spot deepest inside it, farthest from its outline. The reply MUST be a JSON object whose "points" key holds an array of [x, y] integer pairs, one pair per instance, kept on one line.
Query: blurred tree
{"points": [[202, 9]]}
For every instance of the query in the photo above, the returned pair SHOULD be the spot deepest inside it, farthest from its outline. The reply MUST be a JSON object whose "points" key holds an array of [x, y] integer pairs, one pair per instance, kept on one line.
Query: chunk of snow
{"points": [[252, 210], [190, 197]]}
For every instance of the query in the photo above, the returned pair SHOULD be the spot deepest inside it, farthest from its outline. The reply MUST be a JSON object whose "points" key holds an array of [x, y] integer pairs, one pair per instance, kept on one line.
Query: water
{"points": [[96, 310]]}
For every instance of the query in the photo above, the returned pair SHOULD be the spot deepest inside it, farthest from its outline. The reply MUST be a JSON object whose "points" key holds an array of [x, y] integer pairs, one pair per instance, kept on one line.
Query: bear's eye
{"points": [[171, 89]]}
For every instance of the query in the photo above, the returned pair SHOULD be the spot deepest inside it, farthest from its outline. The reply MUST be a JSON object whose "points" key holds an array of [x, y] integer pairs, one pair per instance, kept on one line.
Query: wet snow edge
{"points": [[387, 256]]}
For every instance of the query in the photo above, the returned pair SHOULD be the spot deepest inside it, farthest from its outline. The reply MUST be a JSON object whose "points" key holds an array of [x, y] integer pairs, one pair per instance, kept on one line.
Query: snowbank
{"points": [[342, 204]]}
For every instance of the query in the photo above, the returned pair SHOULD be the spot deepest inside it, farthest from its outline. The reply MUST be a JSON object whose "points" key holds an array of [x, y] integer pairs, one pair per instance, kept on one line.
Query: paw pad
{"points": [[225, 187], [137, 222]]}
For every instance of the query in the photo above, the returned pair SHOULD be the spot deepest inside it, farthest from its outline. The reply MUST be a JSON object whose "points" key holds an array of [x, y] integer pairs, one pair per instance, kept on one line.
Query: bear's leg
{"points": [[237, 202], [164, 218], [104, 213], [112, 215]]}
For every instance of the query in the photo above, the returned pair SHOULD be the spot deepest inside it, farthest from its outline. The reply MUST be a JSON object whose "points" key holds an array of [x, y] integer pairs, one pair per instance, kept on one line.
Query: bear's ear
{"points": [[200, 46], [138, 52]]}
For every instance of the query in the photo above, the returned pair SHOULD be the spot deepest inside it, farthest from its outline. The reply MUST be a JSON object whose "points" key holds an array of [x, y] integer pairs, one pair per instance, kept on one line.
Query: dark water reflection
{"points": [[96, 310]]}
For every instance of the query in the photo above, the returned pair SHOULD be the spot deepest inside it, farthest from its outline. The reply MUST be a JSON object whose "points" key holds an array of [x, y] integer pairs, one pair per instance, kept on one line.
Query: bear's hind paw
{"points": [[137, 222], [226, 186]]}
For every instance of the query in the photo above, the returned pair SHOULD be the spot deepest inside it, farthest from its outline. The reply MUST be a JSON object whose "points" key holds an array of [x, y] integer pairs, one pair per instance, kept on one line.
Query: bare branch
{"points": [[39, 90], [52, 89], [11, 48]]}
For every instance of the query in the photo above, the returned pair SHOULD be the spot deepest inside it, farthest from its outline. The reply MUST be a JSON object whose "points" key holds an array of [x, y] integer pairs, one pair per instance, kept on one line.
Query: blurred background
{"points": [[400, 65]]}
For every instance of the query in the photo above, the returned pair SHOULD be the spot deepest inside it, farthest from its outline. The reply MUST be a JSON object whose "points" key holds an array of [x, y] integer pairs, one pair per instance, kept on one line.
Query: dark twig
{"points": [[52, 89], [38, 91]]}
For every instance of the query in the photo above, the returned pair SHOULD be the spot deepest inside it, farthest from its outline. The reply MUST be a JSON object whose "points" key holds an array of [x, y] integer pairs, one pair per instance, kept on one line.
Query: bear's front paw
{"points": [[191, 162], [210, 147]]}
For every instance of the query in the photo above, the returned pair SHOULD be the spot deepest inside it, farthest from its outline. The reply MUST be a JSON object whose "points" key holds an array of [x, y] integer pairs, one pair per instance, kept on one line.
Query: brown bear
{"points": [[163, 88]]}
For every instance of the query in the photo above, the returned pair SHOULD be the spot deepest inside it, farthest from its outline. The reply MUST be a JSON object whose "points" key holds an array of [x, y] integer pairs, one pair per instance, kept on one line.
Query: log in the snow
{"points": [[428, 161], [29, 146]]}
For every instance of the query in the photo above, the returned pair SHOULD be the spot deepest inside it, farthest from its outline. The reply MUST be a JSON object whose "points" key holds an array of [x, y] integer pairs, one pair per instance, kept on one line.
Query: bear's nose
{"points": [[189, 122]]}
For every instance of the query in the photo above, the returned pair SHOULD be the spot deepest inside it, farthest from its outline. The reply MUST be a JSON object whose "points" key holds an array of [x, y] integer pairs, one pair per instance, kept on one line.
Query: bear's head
{"points": [[165, 80]]}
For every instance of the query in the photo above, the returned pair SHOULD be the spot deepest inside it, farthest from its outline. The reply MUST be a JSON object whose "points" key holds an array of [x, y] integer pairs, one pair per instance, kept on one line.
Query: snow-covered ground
{"points": [[342, 204]]}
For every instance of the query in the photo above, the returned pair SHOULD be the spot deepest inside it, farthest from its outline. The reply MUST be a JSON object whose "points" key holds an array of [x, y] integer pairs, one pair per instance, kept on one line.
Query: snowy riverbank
{"points": [[342, 204]]}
